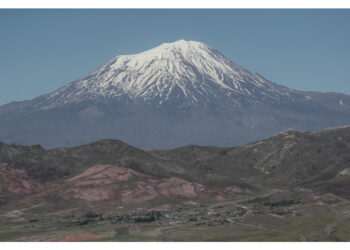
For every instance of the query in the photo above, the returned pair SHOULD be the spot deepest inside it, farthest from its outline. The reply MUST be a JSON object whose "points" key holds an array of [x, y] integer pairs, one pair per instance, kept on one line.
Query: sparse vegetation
{"points": [[265, 191]]}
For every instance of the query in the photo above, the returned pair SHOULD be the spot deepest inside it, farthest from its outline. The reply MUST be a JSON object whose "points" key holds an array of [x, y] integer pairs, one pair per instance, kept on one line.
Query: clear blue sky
{"points": [[42, 50]]}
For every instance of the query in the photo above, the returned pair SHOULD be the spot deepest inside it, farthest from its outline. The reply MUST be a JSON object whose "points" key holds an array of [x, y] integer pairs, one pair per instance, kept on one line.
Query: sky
{"points": [[43, 50]]}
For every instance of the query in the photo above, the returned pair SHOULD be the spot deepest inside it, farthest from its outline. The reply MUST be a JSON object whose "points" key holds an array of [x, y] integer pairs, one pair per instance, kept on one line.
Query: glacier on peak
{"points": [[188, 71]]}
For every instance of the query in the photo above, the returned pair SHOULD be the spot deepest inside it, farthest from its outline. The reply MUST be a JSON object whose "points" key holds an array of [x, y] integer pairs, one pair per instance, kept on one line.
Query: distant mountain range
{"points": [[176, 94]]}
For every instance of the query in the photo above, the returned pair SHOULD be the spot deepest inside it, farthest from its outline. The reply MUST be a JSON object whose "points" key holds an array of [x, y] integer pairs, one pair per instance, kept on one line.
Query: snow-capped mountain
{"points": [[178, 93], [187, 70]]}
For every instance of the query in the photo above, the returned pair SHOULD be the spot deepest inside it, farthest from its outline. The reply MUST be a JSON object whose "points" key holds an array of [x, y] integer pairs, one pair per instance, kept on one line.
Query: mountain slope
{"points": [[286, 160], [175, 94]]}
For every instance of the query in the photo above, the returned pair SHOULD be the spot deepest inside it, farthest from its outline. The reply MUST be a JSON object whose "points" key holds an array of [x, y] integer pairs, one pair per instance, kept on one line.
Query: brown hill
{"points": [[118, 174]]}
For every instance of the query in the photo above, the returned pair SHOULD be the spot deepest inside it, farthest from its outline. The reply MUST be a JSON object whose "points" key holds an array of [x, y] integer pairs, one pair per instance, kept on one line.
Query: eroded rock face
{"points": [[103, 182], [15, 181], [106, 186], [176, 186]]}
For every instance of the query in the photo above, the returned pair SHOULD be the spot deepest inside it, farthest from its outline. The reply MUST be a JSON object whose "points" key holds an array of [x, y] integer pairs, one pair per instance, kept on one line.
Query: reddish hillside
{"points": [[15, 181]]}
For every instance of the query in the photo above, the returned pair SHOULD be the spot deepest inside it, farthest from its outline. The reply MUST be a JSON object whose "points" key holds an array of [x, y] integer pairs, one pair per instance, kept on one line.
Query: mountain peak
{"points": [[181, 72], [183, 45], [175, 50], [175, 94]]}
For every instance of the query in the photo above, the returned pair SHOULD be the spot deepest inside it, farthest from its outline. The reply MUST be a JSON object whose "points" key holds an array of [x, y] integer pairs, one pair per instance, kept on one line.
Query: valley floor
{"points": [[277, 216]]}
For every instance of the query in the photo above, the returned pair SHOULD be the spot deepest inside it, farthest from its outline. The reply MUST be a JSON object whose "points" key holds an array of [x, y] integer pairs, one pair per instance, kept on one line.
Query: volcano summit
{"points": [[178, 93]]}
